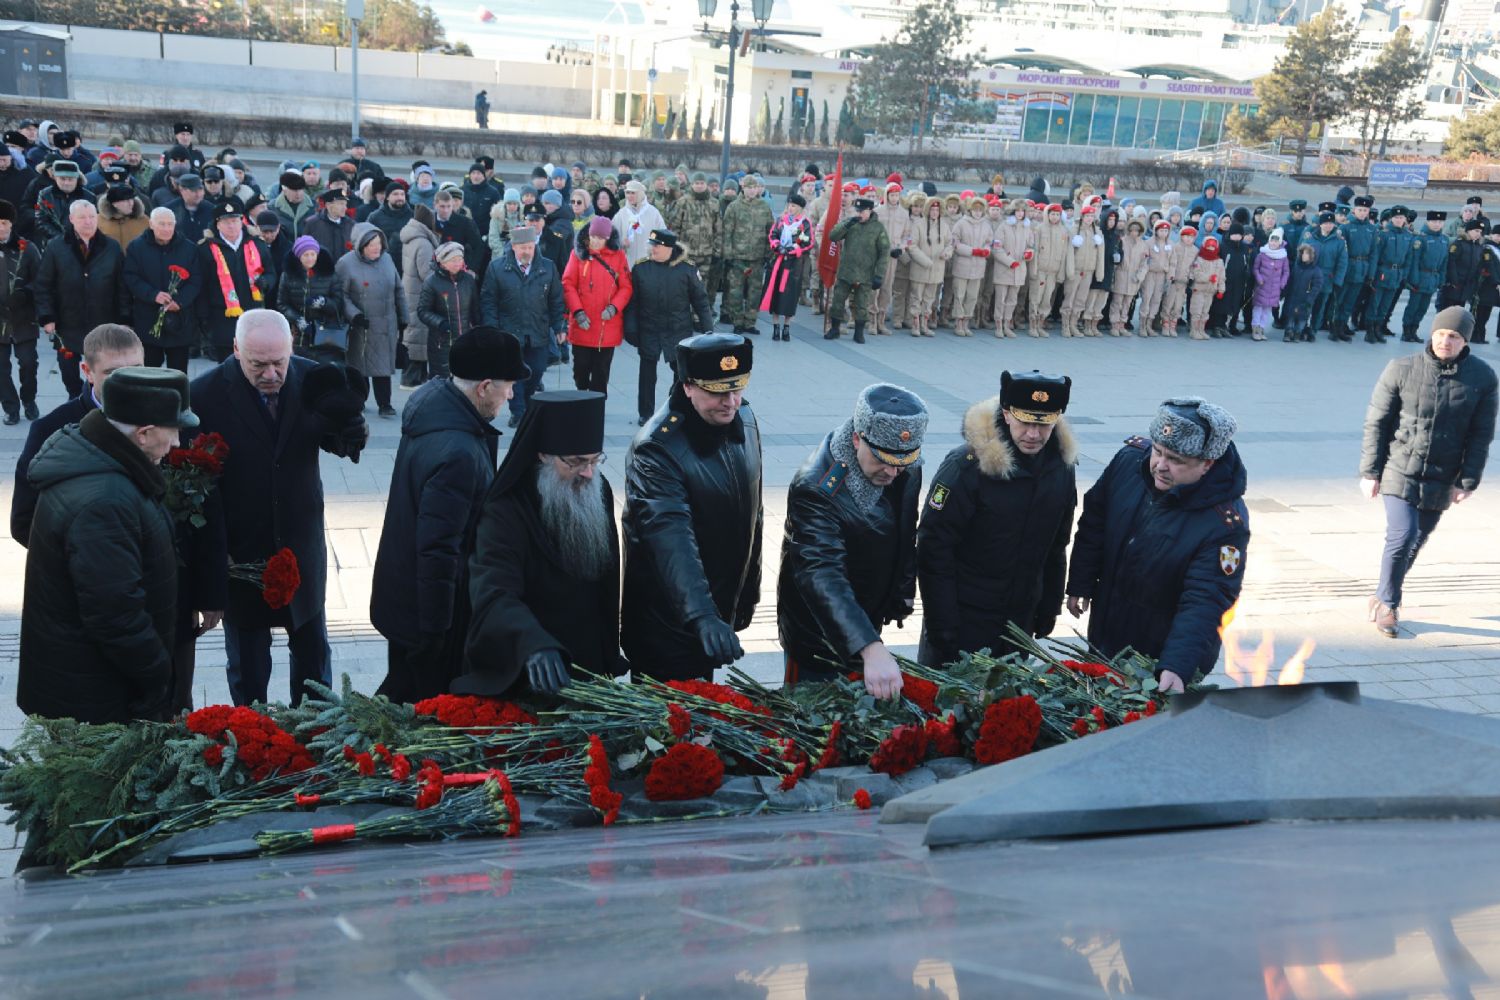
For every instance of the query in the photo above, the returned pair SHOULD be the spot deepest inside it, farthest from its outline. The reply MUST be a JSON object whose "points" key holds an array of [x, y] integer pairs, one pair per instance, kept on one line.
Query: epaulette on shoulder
{"points": [[1230, 514], [668, 425], [833, 478], [1136, 441]]}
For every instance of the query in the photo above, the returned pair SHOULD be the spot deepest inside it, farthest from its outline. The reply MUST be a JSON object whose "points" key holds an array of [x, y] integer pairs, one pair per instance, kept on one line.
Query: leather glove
{"points": [[720, 644], [263, 282], [1044, 626], [875, 283], [896, 254], [547, 671], [608, 313], [581, 320], [360, 322]]}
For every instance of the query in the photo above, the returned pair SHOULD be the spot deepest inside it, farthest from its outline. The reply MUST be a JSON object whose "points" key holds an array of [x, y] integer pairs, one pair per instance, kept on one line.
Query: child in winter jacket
{"points": [[1302, 290], [1161, 252], [1206, 277], [971, 243], [1272, 269], [1130, 273], [1049, 262], [1085, 266], [1010, 251], [1177, 284]]}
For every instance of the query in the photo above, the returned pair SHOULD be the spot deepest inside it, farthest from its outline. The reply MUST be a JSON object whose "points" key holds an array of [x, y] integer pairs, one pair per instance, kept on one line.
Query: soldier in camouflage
{"points": [[747, 231], [696, 220], [863, 254]]}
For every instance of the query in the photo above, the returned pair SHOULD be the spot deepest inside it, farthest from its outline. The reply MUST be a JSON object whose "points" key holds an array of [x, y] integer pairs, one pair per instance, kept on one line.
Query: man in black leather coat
{"points": [[849, 557], [692, 521], [667, 306]]}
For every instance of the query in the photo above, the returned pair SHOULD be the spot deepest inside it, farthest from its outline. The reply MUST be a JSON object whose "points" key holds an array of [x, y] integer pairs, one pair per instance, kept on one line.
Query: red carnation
{"points": [[1081, 727], [214, 755], [1098, 670], [922, 693], [178, 270], [474, 712], [719, 693], [942, 737], [901, 751], [830, 754], [1150, 709], [862, 798], [685, 771], [679, 720], [1009, 730], [1132, 717], [279, 582], [596, 777], [262, 747]]}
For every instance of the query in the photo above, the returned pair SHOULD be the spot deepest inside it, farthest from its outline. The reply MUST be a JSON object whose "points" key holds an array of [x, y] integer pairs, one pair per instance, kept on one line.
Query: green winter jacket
{"points": [[866, 248]]}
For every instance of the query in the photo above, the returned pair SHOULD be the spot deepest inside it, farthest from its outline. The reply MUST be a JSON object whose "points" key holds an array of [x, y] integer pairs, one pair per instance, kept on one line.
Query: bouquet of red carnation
{"points": [[278, 577], [190, 474], [179, 274], [1009, 730], [261, 746], [685, 771], [462, 711], [901, 751]]}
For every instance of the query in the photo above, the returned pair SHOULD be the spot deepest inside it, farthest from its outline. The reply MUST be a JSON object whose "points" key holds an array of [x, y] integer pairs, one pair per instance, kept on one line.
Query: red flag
{"points": [[828, 253]]}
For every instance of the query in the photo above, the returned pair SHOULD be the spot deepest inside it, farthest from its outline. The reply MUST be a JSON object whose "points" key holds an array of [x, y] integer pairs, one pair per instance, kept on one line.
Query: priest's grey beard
{"points": [[574, 517]]}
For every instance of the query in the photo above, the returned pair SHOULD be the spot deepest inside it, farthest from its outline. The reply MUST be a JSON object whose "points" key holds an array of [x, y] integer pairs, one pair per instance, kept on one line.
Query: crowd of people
{"points": [[311, 294]]}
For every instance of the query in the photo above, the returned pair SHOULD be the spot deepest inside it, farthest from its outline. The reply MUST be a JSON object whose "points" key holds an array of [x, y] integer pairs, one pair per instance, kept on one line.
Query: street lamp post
{"points": [[355, 9], [761, 11]]}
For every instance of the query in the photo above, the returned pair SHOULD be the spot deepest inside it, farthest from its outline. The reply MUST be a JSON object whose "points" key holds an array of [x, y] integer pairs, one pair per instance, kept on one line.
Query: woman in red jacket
{"points": [[596, 286]]}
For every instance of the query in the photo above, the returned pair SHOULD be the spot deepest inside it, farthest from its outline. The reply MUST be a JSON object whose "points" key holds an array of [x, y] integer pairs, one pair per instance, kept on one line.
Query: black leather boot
{"points": [[859, 331], [833, 330]]}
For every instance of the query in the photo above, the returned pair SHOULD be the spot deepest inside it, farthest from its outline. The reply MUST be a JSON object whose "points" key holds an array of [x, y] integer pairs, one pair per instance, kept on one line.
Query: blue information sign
{"points": [[1407, 175]]}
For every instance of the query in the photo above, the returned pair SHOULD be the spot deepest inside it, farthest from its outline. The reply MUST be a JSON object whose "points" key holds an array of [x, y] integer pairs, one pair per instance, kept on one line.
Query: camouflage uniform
{"points": [[699, 227], [747, 231], [864, 252]]}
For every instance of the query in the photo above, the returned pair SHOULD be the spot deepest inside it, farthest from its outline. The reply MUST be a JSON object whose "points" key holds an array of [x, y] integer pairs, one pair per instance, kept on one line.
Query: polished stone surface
{"points": [[815, 906], [1312, 751]]}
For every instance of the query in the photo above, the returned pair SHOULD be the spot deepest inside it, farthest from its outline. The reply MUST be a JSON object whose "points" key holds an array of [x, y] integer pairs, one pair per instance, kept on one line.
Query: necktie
{"points": [[271, 400]]}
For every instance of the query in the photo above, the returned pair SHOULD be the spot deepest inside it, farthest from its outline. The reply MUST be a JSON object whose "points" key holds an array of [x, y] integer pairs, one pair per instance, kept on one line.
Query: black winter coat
{"points": [[1471, 265], [529, 307], [310, 301], [389, 222], [211, 303], [193, 223], [667, 306], [461, 229], [79, 293], [50, 212], [335, 237], [444, 465], [14, 183], [1429, 427], [1302, 289], [992, 546], [20, 262], [146, 274], [692, 527], [557, 238], [269, 497], [448, 306], [101, 582], [845, 571], [23, 500], [526, 599], [1161, 569]]}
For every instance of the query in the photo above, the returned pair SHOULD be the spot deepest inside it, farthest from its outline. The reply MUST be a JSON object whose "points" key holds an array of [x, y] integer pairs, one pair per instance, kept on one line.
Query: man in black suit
{"points": [[105, 348], [269, 497]]}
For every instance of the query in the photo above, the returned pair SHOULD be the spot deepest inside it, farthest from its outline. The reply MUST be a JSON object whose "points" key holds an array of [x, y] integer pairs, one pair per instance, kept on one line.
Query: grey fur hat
{"points": [[1192, 426], [892, 421]]}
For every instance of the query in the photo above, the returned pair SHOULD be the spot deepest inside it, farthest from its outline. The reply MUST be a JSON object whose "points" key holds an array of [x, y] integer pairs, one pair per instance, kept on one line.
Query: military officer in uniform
{"points": [[747, 229], [864, 250], [849, 555], [1295, 226], [1472, 262], [1429, 264], [692, 521], [1333, 258], [992, 545], [1360, 235], [1159, 554], [1392, 266]]}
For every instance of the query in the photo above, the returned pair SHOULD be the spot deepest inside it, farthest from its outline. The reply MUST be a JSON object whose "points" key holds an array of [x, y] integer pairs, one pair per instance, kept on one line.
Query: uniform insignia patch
{"points": [[729, 363], [939, 496], [1229, 559]]}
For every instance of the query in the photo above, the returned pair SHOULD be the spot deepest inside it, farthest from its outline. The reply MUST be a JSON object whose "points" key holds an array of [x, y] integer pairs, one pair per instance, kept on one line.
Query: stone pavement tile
{"points": [[1458, 704]]}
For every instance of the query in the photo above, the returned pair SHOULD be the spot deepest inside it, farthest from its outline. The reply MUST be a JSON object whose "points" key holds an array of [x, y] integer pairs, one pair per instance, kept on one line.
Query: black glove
{"points": [[581, 320], [896, 253], [875, 283], [720, 644], [360, 322], [547, 671], [1044, 626], [607, 313], [263, 282]]}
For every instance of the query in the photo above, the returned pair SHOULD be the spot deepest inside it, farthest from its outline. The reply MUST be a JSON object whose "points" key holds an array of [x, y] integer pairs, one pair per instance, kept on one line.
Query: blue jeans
{"points": [[537, 358], [249, 653], [1406, 529]]}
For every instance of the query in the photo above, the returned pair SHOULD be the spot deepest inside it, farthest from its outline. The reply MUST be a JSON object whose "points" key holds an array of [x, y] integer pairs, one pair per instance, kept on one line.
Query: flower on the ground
{"points": [[920, 692], [1009, 730], [942, 737], [263, 747], [901, 751], [862, 798], [685, 771], [462, 711]]}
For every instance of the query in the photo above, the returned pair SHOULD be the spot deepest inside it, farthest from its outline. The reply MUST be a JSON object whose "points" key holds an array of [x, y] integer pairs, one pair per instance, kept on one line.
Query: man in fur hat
{"points": [[992, 546], [1160, 550]]}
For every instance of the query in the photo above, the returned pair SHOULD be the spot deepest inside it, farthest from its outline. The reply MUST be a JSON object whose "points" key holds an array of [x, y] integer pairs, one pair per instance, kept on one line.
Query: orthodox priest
{"points": [[692, 520], [544, 579]]}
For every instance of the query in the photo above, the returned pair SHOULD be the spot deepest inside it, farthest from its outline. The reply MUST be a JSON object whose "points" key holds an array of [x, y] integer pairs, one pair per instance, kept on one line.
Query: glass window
{"points": [[1125, 124], [1035, 129], [1101, 133], [1168, 123], [1057, 124], [1192, 120], [1083, 115], [1213, 124], [1145, 123]]}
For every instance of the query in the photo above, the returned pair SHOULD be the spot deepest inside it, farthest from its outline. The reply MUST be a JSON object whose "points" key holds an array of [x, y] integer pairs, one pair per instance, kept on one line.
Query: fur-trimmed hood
{"points": [[994, 452]]}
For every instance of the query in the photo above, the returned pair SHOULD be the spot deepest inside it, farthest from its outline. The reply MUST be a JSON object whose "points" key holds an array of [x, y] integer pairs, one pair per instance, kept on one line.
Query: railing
{"points": [[1234, 156]]}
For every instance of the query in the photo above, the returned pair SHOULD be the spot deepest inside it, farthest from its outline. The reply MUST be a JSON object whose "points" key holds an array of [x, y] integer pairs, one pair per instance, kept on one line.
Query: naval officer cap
{"points": [[892, 421], [715, 362], [1034, 397]]}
